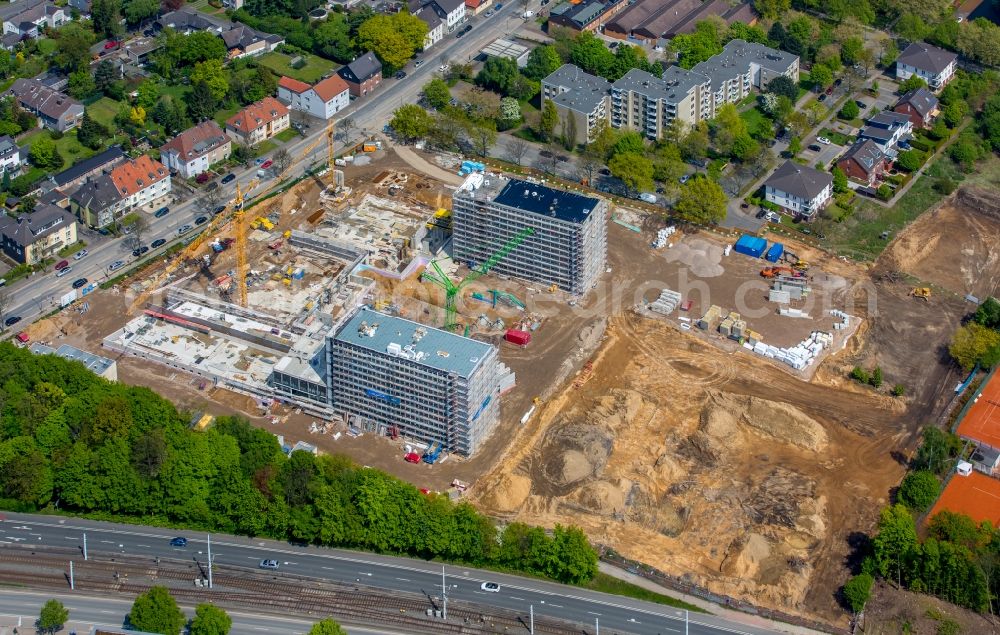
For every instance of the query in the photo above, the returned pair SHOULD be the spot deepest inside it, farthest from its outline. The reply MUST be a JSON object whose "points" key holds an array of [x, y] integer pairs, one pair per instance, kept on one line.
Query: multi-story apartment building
{"points": [[30, 238], [427, 383], [363, 75], [322, 100], [934, 65], [799, 189], [641, 101], [579, 97], [258, 122], [133, 183], [568, 246], [743, 66], [887, 129]]}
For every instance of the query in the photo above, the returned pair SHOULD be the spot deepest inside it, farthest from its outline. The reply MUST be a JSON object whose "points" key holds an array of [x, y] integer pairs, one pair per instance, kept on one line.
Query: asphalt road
{"points": [[615, 614], [23, 607]]}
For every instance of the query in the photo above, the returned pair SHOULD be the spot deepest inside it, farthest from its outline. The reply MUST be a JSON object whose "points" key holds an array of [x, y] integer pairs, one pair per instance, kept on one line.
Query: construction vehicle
{"points": [[924, 293], [234, 212], [774, 272], [452, 289], [432, 452], [801, 265], [553, 288], [537, 401]]}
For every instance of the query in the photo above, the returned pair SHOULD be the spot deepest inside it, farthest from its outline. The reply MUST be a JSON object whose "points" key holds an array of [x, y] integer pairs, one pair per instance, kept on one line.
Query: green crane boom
{"points": [[452, 289]]}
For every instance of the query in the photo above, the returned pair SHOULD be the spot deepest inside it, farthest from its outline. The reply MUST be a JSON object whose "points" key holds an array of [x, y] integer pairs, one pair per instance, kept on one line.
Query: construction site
{"points": [[689, 407]]}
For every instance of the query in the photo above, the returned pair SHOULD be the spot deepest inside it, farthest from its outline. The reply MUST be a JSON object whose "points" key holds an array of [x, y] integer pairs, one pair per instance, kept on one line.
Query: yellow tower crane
{"points": [[234, 211]]}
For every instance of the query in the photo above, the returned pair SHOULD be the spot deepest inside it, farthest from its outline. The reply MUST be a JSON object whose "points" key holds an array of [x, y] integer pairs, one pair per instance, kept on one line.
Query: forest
{"points": [[75, 443]]}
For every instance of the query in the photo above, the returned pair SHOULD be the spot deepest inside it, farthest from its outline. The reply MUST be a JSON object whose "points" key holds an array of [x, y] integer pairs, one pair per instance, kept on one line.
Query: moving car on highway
{"points": [[492, 587], [179, 542], [268, 564]]}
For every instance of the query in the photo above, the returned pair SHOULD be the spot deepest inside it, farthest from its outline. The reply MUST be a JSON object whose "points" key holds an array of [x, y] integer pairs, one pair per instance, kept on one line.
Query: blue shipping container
{"points": [[774, 253], [750, 246]]}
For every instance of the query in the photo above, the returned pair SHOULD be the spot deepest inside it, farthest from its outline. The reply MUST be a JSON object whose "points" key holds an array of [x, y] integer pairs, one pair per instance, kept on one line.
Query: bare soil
{"points": [[892, 611]]}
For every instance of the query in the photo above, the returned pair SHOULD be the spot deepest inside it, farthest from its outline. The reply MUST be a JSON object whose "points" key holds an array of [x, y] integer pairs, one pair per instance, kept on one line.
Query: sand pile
{"points": [[775, 419], [508, 493], [603, 497], [745, 556], [703, 257]]}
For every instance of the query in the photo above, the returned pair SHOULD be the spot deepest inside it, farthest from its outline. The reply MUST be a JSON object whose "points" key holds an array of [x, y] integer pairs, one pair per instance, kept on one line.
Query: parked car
{"points": [[822, 97], [772, 217], [62, 264], [218, 210], [79, 282], [110, 44], [498, 6], [491, 587], [860, 104], [64, 271], [201, 220], [268, 564], [163, 211], [116, 265], [80, 254], [815, 148], [684, 179], [418, 63], [824, 140], [179, 542], [460, 34], [185, 229], [159, 242], [400, 74], [142, 249], [12, 320], [266, 164], [762, 213], [490, 13], [229, 178], [443, 68], [545, 153]]}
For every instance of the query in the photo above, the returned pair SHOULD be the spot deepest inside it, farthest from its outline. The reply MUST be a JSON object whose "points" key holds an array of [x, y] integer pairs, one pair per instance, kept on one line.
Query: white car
{"points": [[824, 140], [80, 254], [443, 68], [490, 587]]}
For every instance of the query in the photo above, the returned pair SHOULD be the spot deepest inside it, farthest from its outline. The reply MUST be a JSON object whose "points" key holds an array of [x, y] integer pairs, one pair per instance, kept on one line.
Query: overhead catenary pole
{"points": [[531, 619], [444, 595], [210, 561], [84, 545], [72, 584]]}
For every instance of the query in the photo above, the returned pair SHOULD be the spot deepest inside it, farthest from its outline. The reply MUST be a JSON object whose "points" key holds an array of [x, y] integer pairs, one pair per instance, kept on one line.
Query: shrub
{"points": [[884, 192], [898, 390], [202, 178], [876, 377], [857, 590], [945, 185], [859, 374], [919, 490], [920, 144]]}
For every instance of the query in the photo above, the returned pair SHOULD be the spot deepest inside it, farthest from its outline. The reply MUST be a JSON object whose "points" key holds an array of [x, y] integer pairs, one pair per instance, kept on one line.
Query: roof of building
{"points": [[143, 46], [976, 495], [197, 141], [257, 114], [364, 67], [582, 13], [429, 16], [449, 5], [652, 15], [981, 421], [330, 87], [502, 47], [675, 85], [109, 157], [134, 175], [27, 229], [921, 100], [293, 85], [7, 145], [926, 57], [184, 19], [40, 98], [423, 345], [472, 4], [799, 180], [242, 36], [889, 119], [736, 57], [28, 14], [545, 201], [94, 363], [866, 154], [585, 91], [98, 193]]}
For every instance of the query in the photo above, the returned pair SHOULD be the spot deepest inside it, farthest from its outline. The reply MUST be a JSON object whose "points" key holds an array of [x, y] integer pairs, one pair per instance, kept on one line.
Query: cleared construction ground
{"points": [[673, 445]]}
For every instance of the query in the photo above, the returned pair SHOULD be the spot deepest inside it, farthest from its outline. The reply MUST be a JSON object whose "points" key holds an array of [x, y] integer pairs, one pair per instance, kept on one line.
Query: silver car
{"points": [[268, 564]]}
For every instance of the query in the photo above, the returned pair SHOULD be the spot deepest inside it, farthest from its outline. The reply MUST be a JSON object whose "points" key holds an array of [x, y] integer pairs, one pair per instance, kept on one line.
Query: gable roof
{"points": [[27, 229], [293, 85], [926, 57], [363, 68], [97, 194], [38, 97], [196, 141], [866, 154], [429, 16], [799, 180], [330, 87], [449, 5], [257, 114], [135, 175], [184, 19], [921, 100]]}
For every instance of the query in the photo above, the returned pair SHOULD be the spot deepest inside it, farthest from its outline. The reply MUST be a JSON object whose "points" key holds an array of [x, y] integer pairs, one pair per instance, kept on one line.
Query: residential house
{"points": [[475, 7], [579, 98], [85, 169], [322, 100], [934, 65], [9, 41], [54, 110], [10, 156], [799, 189], [585, 15], [138, 51], [31, 238], [258, 122], [920, 105], [233, 4], [451, 12], [435, 26], [196, 149], [133, 183], [82, 7], [363, 75], [189, 21], [646, 103], [242, 41], [654, 20], [27, 19], [887, 129], [864, 162]]}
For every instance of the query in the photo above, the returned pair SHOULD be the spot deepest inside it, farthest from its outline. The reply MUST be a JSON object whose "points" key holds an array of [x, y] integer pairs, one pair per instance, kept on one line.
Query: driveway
{"points": [[826, 154]]}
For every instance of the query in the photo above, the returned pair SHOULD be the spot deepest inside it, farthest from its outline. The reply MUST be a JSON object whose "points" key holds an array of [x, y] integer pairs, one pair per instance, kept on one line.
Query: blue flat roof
{"points": [[420, 344], [545, 201]]}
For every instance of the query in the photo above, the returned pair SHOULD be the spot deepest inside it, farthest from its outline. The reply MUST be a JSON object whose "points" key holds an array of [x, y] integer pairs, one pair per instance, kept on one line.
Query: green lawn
{"points": [[315, 68], [266, 147], [222, 115], [608, 584], [70, 149], [286, 135], [104, 110], [757, 122], [46, 46], [837, 137]]}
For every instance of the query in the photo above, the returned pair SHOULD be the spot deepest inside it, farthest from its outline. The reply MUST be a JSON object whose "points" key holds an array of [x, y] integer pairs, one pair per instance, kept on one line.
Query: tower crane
{"points": [[451, 289], [234, 211]]}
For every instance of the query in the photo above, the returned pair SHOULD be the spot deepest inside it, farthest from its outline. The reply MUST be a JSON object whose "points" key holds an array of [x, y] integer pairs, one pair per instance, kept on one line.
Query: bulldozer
{"points": [[924, 293], [774, 272]]}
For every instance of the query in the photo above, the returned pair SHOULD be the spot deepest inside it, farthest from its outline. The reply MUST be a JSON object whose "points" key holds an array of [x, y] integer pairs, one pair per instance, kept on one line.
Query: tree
{"points": [[52, 617], [44, 154], [211, 73], [912, 82], [850, 50], [857, 590], [516, 149], [281, 159], [73, 48], [81, 84], [201, 103], [327, 627], [634, 170], [498, 75], [821, 76], [702, 201], [590, 53], [410, 122], [91, 133], [393, 39], [974, 343], [107, 17], [772, 9], [170, 114], [437, 93], [694, 145], [510, 111], [783, 86], [210, 620], [483, 135], [549, 120], [919, 490], [140, 228], [988, 313], [138, 10], [896, 537], [705, 42], [542, 62], [839, 181], [849, 110], [156, 611], [104, 76], [795, 146], [911, 160]]}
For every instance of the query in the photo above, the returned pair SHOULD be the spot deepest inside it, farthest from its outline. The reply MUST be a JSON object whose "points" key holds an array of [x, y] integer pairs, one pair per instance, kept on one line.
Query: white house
{"points": [[141, 181], [935, 66], [322, 100], [887, 129], [799, 189], [10, 155], [196, 149], [28, 18], [435, 27], [451, 12]]}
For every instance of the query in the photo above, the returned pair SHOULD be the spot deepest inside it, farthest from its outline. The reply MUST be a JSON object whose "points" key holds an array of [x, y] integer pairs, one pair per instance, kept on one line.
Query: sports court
{"points": [[982, 421], [976, 495]]}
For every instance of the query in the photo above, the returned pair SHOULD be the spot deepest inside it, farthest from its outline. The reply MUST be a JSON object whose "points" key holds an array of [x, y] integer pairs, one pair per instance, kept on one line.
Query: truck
{"points": [[432, 452]]}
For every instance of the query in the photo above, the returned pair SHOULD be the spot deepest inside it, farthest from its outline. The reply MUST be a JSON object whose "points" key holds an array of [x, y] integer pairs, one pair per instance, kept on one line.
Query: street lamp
{"points": [[685, 620]]}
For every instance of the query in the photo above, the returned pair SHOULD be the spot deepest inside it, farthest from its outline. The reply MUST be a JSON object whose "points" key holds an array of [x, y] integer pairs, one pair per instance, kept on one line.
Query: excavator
{"points": [[774, 272], [924, 293]]}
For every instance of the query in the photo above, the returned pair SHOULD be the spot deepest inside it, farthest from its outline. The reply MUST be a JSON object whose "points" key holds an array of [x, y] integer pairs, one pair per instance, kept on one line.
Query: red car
{"points": [[110, 44], [62, 264], [266, 164], [412, 457]]}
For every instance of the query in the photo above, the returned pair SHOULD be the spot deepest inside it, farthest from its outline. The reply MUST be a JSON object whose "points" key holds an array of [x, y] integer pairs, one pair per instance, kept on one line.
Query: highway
{"points": [[22, 607], [616, 615]]}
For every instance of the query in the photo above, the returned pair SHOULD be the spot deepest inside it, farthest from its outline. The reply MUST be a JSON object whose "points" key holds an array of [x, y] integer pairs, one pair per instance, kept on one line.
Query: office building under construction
{"points": [[568, 247]]}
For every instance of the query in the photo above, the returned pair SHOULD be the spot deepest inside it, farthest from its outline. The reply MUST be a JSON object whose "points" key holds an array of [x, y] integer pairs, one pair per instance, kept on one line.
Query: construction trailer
{"points": [[750, 246]]}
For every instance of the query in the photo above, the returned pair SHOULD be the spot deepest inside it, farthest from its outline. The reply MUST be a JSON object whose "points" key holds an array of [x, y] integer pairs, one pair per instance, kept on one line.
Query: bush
{"points": [[857, 590], [55, 135], [920, 144], [898, 390], [884, 192], [876, 377], [859, 374], [919, 490], [202, 178], [945, 185]]}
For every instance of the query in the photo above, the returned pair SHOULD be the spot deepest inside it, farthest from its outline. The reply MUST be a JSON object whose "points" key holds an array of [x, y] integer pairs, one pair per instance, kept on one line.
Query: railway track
{"points": [[266, 592]]}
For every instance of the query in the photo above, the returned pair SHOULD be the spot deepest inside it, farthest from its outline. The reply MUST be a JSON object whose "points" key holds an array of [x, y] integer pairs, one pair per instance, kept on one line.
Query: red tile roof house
{"points": [[322, 100], [258, 122], [864, 162], [196, 149]]}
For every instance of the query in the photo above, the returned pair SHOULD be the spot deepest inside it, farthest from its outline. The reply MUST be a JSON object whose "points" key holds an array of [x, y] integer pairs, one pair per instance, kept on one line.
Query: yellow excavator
{"points": [[924, 293]]}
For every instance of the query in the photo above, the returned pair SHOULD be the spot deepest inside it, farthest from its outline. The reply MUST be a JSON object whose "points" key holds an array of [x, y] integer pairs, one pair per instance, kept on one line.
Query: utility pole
{"points": [[444, 594], [72, 584], [210, 561], [597, 626], [531, 619], [84, 545], [685, 622]]}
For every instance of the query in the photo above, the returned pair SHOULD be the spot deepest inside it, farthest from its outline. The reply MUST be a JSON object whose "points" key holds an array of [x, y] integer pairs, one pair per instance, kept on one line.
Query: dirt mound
{"points": [[984, 202], [603, 497], [508, 493], [777, 499], [775, 419], [745, 556], [581, 449], [702, 256]]}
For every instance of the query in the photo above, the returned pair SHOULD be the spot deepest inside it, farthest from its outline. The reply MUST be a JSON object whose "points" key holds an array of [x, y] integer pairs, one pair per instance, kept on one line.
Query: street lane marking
{"points": [[328, 568], [108, 612], [146, 546], [592, 613], [514, 597], [556, 606], [400, 579]]}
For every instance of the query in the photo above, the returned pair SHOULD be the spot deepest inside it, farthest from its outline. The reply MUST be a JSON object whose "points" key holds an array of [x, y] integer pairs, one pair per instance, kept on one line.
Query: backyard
{"points": [[314, 69], [68, 146]]}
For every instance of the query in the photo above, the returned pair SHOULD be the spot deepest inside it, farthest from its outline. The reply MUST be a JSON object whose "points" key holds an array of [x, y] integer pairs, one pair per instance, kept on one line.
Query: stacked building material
{"points": [[666, 303]]}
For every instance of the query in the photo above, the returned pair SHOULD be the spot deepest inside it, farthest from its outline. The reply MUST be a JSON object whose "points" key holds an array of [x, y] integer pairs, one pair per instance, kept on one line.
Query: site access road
{"points": [[614, 614]]}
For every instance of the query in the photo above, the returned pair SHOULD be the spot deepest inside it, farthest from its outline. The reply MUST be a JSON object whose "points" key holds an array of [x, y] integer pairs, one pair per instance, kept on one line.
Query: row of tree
{"points": [[115, 450]]}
